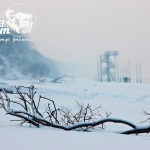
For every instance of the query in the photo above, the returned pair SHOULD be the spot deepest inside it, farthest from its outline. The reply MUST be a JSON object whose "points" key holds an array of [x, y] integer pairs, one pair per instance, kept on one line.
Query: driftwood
{"points": [[84, 119]]}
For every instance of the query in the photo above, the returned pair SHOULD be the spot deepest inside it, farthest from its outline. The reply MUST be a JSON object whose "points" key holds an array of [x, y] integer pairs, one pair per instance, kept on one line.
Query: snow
{"points": [[125, 101], [28, 139]]}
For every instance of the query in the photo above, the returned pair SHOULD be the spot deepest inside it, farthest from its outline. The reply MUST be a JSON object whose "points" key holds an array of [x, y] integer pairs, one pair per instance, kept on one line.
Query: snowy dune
{"points": [[125, 101]]}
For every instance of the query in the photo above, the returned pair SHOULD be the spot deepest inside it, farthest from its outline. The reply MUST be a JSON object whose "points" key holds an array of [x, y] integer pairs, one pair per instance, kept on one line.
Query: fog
{"points": [[78, 31]]}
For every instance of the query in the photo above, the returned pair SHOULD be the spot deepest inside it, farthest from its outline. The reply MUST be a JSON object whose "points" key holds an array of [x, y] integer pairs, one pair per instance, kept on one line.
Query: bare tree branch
{"points": [[62, 118]]}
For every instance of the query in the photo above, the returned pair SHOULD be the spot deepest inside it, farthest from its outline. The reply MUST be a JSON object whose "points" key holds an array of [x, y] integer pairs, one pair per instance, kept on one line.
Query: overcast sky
{"points": [[77, 31]]}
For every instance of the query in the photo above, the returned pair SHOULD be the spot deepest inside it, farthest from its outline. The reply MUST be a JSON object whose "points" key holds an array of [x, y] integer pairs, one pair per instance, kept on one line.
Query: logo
{"points": [[19, 20]]}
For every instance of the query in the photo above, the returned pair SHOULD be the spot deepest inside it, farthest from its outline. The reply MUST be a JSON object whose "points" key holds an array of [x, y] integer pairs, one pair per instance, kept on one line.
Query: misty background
{"points": [[76, 32]]}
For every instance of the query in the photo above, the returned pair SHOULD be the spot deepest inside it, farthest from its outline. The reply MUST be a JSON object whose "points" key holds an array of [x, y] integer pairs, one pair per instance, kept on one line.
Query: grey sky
{"points": [[77, 31]]}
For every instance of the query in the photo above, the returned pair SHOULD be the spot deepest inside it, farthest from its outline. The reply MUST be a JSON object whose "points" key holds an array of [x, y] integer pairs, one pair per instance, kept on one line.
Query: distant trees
{"points": [[23, 59], [27, 107]]}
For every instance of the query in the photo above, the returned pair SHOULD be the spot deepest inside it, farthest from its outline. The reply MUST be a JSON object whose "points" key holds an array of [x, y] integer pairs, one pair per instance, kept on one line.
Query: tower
{"points": [[108, 70]]}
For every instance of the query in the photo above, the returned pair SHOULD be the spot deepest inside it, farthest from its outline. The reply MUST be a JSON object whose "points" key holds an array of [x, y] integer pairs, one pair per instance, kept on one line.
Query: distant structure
{"points": [[126, 73], [110, 70], [107, 66], [138, 73]]}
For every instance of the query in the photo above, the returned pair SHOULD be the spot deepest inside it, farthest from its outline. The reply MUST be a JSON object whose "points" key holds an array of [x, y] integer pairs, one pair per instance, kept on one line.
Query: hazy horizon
{"points": [[78, 31]]}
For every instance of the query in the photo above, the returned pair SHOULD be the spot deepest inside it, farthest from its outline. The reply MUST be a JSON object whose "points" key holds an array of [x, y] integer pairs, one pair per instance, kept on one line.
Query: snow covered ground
{"points": [[125, 101]]}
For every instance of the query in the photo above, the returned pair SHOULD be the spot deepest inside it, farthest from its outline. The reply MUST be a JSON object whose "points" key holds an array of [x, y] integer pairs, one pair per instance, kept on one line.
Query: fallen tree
{"points": [[84, 119]]}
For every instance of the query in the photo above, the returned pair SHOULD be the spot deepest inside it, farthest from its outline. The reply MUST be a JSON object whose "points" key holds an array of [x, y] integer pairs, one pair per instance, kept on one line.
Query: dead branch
{"points": [[56, 80], [62, 118]]}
